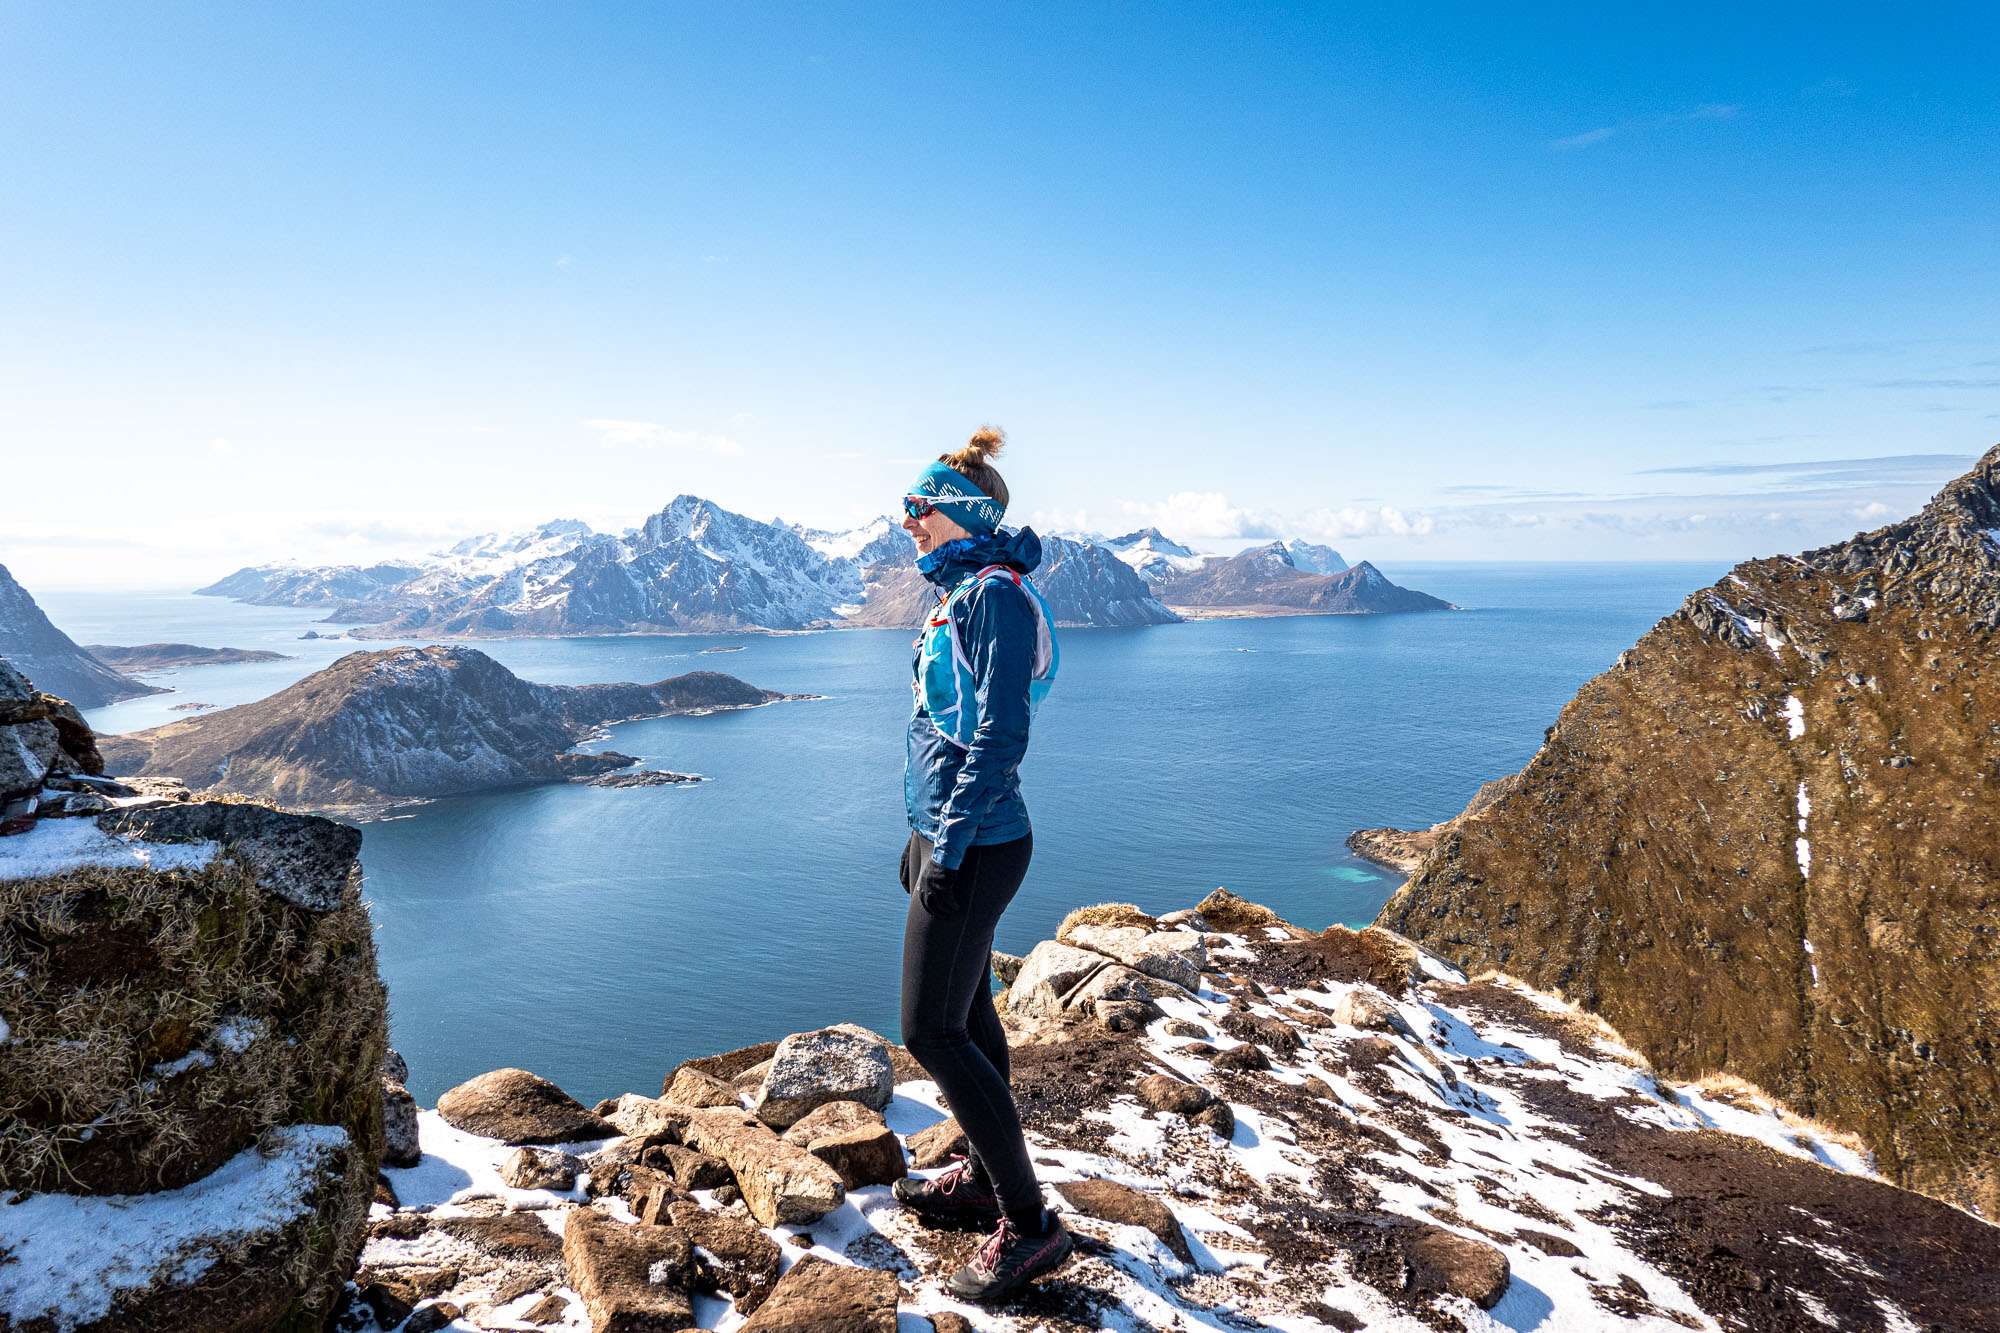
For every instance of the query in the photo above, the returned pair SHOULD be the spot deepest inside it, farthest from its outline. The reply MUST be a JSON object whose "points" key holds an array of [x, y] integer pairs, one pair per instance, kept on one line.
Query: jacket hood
{"points": [[1021, 549]]}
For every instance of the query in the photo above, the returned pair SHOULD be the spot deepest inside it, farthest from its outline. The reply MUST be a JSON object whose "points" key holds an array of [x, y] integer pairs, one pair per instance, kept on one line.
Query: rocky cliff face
{"points": [[190, 1021], [1265, 581], [378, 728], [51, 658], [1765, 842], [1244, 1124]]}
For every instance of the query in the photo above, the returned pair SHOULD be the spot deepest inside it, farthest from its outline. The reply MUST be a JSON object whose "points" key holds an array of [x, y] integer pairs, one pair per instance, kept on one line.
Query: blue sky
{"points": [[347, 281]]}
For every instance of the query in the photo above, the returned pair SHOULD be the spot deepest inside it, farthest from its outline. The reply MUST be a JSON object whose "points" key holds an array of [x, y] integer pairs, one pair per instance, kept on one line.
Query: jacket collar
{"points": [[948, 565]]}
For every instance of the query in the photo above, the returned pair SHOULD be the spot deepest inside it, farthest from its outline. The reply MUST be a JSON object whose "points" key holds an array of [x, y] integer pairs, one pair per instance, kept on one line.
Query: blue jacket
{"points": [[958, 797]]}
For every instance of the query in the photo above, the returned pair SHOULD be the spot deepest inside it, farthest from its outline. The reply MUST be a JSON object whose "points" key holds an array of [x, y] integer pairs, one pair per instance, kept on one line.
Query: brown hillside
{"points": [[1765, 842]]}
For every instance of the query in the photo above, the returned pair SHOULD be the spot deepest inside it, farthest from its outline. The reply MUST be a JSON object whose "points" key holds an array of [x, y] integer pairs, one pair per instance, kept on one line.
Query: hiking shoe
{"points": [[954, 1195], [1009, 1261]]}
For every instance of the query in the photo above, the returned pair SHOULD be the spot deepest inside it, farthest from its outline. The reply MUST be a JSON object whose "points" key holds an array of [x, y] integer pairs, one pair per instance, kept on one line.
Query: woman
{"points": [[985, 658]]}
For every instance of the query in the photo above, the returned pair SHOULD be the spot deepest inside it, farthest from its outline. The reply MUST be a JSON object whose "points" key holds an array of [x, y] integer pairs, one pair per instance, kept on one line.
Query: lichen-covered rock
{"points": [[852, 1139], [632, 1279], [636, 1116], [809, 1069], [515, 1106], [936, 1145], [1050, 976], [400, 1145], [820, 1297], [538, 1169], [1177, 956], [781, 1182], [731, 1255], [692, 1088], [1225, 912]]}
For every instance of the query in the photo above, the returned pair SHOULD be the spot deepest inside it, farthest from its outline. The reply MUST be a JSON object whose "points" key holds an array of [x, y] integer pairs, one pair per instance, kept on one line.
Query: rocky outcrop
{"points": [[191, 1043], [378, 728], [515, 1106], [1265, 581], [1332, 1130], [50, 658], [1764, 842]]}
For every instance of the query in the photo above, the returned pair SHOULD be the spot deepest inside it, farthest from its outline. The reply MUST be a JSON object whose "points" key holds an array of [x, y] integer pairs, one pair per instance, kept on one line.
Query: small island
{"points": [[166, 656]]}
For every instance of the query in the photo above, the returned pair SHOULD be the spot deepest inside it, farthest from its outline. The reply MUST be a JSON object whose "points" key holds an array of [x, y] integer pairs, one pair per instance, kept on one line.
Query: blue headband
{"points": [[973, 509]]}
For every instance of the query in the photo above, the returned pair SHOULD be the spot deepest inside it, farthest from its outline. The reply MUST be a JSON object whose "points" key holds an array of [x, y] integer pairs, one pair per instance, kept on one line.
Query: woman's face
{"points": [[932, 530]]}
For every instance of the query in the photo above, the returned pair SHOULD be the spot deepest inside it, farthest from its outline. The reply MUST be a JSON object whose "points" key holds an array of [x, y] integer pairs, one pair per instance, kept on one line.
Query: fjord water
{"points": [[598, 936]]}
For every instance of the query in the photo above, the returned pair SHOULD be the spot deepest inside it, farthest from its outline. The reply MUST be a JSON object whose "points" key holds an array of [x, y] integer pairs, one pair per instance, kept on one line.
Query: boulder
{"points": [[644, 1117], [1364, 1007], [538, 1169], [731, 1255], [1109, 1201], [1273, 1034], [853, 1140], [781, 1182], [726, 1065], [821, 1297], [1177, 956], [809, 1069], [400, 1146], [1186, 919], [27, 749], [692, 1088], [1183, 1027], [1164, 1092], [1442, 1261], [694, 1170], [631, 1279], [1051, 974], [937, 1145], [1247, 1057], [515, 1106], [1006, 966]]}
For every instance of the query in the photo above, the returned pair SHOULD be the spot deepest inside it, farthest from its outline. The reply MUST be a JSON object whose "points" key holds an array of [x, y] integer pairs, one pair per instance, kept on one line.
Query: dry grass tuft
{"points": [[106, 975], [1106, 914]]}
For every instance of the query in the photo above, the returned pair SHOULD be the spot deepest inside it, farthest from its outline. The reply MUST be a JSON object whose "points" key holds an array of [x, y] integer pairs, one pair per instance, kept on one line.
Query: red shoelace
{"points": [[989, 1253]]}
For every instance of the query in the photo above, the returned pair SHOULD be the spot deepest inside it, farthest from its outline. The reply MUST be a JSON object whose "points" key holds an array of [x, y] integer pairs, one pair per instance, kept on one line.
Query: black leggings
{"points": [[949, 1023]]}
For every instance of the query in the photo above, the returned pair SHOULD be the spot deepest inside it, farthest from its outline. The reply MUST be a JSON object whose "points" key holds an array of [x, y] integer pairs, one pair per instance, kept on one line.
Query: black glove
{"points": [[903, 869], [937, 889]]}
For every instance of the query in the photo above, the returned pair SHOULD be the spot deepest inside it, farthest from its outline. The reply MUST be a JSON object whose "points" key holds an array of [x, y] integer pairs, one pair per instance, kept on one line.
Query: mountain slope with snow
{"points": [[52, 659]]}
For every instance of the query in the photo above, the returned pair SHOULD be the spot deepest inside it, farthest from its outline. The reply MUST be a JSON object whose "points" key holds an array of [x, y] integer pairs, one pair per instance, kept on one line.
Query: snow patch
{"points": [[56, 846], [71, 1255], [1795, 716]]}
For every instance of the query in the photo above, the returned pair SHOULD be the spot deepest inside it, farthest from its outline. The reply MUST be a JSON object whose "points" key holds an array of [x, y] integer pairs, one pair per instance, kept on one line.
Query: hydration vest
{"points": [[944, 686]]}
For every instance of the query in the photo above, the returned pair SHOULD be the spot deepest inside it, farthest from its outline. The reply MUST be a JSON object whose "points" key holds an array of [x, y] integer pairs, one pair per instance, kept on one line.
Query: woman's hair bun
{"points": [[985, 443]]}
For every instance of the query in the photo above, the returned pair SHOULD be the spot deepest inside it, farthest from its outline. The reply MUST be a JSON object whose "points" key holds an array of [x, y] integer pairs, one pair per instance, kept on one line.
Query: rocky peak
{"points": [[54, 660], [1776, 854]]}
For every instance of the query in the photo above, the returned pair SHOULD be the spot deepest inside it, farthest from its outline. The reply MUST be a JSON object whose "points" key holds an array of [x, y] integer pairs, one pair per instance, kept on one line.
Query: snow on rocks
{"points": [[1419, 1151], [83, 1262], [58, 846]]}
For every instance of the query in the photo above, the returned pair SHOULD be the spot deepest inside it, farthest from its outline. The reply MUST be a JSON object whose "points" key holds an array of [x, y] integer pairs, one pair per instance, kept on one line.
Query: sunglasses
{"points": [[919, 506]]}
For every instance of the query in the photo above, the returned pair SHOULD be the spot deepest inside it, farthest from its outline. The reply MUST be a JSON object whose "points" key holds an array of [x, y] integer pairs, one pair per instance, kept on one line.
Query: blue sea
{"points": [[599, 936]]}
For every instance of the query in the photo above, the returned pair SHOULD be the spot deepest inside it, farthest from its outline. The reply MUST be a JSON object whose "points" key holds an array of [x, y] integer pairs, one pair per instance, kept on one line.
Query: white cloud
{"points": [[564, 263], [619, 433], [1705, 111], [1873, 509], [1362, 521], [1203, 515]]}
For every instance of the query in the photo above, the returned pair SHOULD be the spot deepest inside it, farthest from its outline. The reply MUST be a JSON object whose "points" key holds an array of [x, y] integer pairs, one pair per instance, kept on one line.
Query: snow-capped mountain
{"points": [[1153, 554], [492, 553], [288, 584], [1086, 585], [870, 544], [1313, 558], [51, 659]]}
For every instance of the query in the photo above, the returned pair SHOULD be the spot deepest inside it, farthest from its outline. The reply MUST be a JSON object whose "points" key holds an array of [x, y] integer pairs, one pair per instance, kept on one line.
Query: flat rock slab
{"points": [[644, 1117], [844, 1062], [515, 1106], [303, 859], [781, 1182], [854, 1140], [1109, 1201], [821, 1297], [632, 1279]]}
